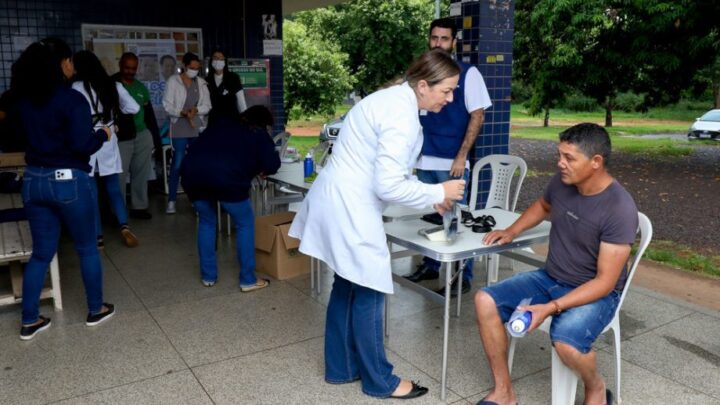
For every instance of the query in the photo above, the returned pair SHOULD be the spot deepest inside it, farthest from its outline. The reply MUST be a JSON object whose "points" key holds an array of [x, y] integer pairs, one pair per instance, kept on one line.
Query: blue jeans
{"points": [[242, 215], [180, 146], [117, 203], [354, 339], [578, 327], [48, 203], [436, 177]]}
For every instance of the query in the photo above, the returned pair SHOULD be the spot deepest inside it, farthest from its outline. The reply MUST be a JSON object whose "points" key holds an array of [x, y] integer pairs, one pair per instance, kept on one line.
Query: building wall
{"points": [[487, 44], [233, 26]]}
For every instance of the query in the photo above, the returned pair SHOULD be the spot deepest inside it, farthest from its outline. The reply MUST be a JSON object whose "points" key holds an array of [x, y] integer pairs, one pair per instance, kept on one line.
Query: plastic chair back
{"points": [[503, 170]]}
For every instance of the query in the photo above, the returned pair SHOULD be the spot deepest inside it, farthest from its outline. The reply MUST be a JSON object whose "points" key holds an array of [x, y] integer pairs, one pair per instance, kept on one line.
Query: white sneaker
{"points": [[170, 207]]}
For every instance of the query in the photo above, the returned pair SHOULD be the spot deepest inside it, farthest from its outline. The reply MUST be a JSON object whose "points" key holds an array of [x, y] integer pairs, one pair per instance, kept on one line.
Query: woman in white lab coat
{"points": [[340, 221]]}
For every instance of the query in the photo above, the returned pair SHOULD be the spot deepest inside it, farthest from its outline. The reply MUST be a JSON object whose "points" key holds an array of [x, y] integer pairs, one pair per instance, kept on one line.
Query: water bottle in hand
{"points": [[520, 320]]}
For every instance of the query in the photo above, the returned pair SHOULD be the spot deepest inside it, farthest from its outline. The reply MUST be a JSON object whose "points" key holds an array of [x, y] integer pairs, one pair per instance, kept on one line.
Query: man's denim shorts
{"points": [[578, 327]]}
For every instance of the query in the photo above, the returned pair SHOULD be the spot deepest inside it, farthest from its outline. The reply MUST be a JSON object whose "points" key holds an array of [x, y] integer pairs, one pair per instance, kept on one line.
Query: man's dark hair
{"points": [[591, 139], [189, 57], [172, 58], [127, 55], [444, 23], [257, 116]]}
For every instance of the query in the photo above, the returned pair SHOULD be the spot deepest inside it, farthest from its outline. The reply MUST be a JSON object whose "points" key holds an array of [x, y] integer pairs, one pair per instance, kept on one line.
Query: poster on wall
{"points": [[255, 77], [159, 51]]}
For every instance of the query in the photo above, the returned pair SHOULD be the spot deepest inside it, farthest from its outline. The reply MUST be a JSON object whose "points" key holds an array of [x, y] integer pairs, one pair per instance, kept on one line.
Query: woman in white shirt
{"points": [[106, 98], [340, 221]]}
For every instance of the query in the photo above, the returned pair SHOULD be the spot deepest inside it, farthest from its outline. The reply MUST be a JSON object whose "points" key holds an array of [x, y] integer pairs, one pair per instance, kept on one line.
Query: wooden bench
{"points": [[15, 249]]}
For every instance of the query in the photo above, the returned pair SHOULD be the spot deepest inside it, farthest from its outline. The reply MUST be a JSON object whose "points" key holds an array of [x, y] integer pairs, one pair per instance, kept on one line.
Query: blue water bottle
{"points": [[519, 321], [308, 165]]}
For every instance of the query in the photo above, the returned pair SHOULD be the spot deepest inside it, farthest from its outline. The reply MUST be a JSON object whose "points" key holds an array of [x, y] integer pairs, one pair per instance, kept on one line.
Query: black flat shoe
{"points": [[422, 273], [415, 392], [608, 397]]}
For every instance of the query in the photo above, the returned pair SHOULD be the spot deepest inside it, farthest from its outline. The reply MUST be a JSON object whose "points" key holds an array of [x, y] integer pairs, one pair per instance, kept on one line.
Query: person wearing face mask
{"points": [[187, 102], [226, 92], [56, 187], [340, 220]]}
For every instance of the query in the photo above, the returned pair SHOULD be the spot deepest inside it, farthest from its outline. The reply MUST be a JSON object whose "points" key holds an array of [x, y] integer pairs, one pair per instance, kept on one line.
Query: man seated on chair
{"points": [[594, 222]]}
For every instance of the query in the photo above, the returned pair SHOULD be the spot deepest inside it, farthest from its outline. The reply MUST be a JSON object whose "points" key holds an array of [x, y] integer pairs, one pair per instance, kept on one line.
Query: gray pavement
{"points": [[175, 341]]}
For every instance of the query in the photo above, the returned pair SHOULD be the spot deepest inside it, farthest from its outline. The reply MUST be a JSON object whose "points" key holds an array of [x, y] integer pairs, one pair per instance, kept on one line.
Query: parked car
{"points": [[706, 127], [330, 130]]}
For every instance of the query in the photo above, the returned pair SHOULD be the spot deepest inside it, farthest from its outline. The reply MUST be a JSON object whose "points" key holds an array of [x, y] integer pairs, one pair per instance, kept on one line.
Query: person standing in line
{"points": [[340, 220], [187, 102], [226, 91], [450, 138], [138, 134], [56, 187], [220, 167], [107, 99]]}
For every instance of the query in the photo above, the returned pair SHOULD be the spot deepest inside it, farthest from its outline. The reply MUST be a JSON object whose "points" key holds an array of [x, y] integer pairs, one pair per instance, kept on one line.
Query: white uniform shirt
{"points": [[106, 160], [340, 220], [476, 97]]}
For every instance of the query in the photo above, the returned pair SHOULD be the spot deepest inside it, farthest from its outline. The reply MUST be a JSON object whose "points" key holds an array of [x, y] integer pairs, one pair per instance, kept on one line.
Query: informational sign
{"points": [[159, 51], [255, 77]]}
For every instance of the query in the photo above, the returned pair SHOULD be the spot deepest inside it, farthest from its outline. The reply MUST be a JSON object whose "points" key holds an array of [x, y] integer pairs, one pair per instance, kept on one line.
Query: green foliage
{"points": [[579, 103], [629, 102], [683, 257], [381, 37], [601, 49], [315, 76]]}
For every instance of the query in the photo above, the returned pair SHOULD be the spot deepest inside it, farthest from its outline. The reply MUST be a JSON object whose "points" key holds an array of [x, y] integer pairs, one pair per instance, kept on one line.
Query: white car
{"points": [[706, 127], [330, 130]]}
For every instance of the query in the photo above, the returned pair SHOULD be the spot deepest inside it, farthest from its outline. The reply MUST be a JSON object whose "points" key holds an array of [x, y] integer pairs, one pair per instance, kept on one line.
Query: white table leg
{"points": [[459, 286], [446, 325], [55, 283]]}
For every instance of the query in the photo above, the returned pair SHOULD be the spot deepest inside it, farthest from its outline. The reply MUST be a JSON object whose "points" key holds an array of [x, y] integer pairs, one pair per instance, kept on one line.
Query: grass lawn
{"points": [[625, 125]]}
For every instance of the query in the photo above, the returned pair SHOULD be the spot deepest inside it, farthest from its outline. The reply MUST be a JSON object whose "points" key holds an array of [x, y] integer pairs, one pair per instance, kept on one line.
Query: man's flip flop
{"points": [[486, 402]]}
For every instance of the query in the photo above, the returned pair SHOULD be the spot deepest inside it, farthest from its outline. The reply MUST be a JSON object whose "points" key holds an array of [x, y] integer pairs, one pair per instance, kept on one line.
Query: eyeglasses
{"points": [[481, 224]]}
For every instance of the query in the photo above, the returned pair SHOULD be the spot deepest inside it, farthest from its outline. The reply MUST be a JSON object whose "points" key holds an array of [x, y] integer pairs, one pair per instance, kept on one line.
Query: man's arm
{"points": [[611, 261], [536, 213], [471, 133]]}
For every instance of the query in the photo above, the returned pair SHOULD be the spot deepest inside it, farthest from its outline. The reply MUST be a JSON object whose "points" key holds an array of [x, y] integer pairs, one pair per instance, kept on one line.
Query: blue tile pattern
{"points": [[487, 44]]}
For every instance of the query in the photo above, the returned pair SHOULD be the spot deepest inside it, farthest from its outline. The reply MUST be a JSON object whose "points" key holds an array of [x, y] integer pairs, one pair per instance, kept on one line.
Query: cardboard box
{"points": [[276, 253]]}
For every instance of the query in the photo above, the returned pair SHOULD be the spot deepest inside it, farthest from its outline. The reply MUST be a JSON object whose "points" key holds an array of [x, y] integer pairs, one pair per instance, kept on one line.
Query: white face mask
{"points": [[192, 73], [218, 64]]}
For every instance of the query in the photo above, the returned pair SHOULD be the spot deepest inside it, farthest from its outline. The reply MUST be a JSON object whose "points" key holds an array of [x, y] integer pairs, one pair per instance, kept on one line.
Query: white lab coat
{"points": [[106, 160], [340, 221]]}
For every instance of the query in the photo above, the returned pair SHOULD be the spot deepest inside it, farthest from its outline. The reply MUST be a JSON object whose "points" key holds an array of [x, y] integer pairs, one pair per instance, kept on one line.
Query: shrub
{"points": [[580, 103], [629, 102]]}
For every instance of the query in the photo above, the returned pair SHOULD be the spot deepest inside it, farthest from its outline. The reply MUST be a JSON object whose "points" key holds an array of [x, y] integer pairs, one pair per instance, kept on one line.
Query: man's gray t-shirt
{"points": [[580, 223]]}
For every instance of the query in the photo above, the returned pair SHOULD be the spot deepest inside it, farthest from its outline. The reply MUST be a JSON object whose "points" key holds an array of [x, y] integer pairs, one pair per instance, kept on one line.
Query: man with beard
{"points": [[449, 137]]}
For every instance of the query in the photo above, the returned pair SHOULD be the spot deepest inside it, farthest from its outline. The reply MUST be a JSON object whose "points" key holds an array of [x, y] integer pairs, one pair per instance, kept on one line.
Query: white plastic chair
{"points": [[564, 380], [503, 171]]}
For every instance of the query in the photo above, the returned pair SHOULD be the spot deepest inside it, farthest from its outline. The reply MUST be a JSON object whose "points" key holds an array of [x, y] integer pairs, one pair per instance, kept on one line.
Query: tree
{"points": [[315, 76], [381, 37], [601, 48]]}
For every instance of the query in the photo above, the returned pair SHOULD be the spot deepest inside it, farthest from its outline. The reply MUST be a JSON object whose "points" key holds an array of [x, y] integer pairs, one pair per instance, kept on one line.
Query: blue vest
{"points": [[444, 131]]}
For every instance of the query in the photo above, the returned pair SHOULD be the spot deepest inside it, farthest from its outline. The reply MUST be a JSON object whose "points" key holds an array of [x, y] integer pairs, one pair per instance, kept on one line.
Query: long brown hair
{"points": [[432, 66]]}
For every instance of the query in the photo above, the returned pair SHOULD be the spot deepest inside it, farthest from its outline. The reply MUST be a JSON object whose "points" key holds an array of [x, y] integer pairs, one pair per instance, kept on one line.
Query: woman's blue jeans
{"points": [[242, 215], [180, 146], [354, 343], [117, 203], [48, 203]]}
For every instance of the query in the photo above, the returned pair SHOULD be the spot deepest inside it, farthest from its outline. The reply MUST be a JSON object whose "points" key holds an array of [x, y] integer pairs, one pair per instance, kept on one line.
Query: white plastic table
{"points": [[468, 245]]}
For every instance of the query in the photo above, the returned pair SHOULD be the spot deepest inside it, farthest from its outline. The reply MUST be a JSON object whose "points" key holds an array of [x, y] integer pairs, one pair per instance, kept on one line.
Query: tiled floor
{"points": [[174, 341]]}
